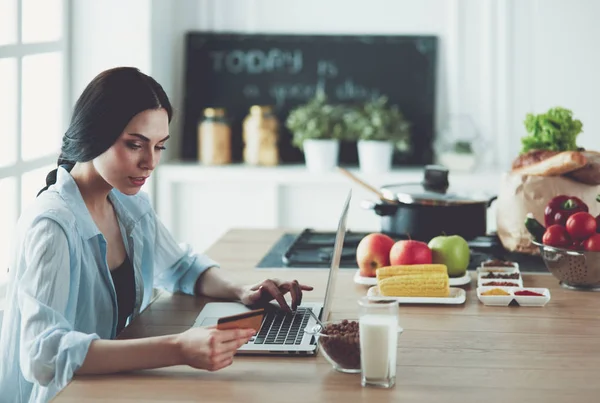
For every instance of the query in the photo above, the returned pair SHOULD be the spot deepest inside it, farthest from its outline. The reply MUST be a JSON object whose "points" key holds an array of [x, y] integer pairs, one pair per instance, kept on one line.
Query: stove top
{"points": [[313, 249]]}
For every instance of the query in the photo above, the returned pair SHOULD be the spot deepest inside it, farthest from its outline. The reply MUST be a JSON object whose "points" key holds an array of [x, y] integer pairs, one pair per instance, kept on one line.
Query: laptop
{"points": [[282, 333]]}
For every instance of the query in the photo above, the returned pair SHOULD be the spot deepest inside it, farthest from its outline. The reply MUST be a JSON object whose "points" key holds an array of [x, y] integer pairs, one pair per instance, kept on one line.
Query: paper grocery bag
{"points": [[519, 195]]}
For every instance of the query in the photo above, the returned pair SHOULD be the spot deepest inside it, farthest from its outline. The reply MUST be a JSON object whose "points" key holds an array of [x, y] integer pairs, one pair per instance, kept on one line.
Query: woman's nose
{"points": [[150, 160]]}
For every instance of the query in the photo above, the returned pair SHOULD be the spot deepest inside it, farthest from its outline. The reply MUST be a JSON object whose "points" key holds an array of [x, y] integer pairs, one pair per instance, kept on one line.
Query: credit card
{"points": [[246, 320]]}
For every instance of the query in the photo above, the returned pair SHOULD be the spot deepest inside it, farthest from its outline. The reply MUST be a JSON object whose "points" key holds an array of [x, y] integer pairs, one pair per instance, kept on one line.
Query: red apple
{"points": [[373, 252], [410, 252]]}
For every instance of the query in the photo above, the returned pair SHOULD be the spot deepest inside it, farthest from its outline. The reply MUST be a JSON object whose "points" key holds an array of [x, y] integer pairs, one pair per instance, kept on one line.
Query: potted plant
{"points": [[316, 128], [457, 143], [459, 157], [378, 129]]}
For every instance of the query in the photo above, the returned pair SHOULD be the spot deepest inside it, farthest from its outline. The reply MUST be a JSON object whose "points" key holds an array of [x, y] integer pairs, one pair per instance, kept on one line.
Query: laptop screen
{"points": [[335, 259]]}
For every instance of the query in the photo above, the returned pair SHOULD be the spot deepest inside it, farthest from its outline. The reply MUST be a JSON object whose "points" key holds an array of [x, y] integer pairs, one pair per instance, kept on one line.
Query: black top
{"points": [[124, 281]]}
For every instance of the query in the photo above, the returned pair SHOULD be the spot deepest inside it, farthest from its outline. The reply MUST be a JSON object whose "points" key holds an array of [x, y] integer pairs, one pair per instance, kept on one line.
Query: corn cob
{"points": [[424, 284], [402, 270]]}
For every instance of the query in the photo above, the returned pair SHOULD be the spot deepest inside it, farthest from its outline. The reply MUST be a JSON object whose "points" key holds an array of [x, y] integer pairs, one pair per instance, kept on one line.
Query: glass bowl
{"points": [[340, 344], [579, 270]]}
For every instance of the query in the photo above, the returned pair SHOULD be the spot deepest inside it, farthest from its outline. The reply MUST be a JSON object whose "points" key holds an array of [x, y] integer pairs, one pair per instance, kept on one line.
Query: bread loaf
{"points": [[532, 157], [590, 173], [558, 164]]}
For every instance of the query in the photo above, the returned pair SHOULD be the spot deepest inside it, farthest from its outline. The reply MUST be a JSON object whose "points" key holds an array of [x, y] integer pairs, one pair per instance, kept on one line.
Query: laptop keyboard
{"points": [[282, 328]]}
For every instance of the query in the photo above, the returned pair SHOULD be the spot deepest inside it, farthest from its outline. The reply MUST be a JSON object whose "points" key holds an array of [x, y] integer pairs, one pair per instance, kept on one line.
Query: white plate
{"points": [[457, 296], [358, 279], [464, 280]]}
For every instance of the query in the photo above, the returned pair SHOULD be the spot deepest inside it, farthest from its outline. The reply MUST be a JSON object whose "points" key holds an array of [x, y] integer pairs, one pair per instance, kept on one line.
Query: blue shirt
{"points": [[60, 293]]}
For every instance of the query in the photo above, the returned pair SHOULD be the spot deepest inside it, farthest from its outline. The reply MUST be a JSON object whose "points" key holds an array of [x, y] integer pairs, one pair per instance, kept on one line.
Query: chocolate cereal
{"points": [[341, 342]]}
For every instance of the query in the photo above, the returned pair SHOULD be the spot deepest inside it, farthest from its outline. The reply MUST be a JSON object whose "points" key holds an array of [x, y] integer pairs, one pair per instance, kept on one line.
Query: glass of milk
{"points": [[378, 332]]}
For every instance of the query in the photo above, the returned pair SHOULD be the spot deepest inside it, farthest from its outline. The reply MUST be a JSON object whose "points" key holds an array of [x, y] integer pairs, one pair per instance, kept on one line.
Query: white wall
{"points": [[556, 61], [107, 34], [499, 59]]}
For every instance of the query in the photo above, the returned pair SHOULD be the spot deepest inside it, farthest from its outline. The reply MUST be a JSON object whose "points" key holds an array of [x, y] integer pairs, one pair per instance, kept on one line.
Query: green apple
{"points": [[453, 251]]}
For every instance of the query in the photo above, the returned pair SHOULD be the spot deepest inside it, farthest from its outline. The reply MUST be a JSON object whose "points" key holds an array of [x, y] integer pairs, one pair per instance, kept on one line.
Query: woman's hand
{"points": [[209, 348], [274, 289]]}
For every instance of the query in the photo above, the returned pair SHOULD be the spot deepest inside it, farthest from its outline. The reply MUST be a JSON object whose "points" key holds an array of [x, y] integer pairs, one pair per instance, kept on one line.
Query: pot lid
{"points": [[433, 190]]}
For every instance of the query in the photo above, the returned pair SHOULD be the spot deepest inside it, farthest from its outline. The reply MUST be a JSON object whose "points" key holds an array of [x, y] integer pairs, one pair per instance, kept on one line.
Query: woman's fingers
{"points": [[231, 345], [276, 289], [276, 293], [222, 336], [226, 344], [296, 293], [220, 361]]}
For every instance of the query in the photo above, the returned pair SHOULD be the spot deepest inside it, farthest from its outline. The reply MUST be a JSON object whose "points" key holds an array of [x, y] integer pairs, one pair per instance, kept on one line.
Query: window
{"points": [[34, 105]]}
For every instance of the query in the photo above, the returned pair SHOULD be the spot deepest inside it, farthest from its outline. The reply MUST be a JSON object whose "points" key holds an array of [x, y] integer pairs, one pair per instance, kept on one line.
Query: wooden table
{"points": [[465, 353]]}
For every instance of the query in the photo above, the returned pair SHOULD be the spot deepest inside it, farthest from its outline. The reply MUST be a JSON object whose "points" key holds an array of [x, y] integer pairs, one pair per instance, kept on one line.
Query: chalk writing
{"points": [[327, 68], [251, 91], [256, 61], [351, 91], [282, 92]]}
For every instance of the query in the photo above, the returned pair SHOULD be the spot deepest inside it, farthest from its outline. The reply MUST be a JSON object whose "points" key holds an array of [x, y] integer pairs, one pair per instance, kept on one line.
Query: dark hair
{"points": [[103, 110]]}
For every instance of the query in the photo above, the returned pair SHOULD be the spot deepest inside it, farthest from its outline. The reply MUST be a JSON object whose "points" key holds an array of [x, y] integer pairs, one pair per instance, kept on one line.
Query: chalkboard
{"points": [[236, 71]]}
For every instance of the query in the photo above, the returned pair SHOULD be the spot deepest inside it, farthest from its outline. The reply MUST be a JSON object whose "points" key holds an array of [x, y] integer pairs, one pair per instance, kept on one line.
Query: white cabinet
{"points": [[203, 211], [199, 203], [318, 206]]}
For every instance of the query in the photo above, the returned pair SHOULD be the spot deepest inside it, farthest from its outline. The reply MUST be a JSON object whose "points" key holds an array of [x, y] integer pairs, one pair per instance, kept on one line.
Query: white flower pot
{"points": [[375, 156], [457, 161], [321, 155]]}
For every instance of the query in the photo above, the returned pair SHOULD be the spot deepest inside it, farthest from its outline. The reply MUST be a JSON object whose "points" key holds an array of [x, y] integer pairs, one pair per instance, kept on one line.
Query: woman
{"points": [[90, 250]]}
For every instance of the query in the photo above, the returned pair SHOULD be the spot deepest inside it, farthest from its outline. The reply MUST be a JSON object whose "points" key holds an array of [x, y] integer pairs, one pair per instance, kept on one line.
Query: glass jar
{"points": [[214, 137], [378, 334], [260, 135]]}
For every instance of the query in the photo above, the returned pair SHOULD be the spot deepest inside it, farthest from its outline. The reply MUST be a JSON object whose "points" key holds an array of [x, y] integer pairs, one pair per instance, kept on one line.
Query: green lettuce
{"points": [[555, 130]]}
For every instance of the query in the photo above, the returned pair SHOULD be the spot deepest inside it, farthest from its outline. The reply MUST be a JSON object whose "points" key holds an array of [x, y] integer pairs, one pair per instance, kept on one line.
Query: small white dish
{"points": [[358, 279], [457, 296], [481, 277], [487, 283], [463, 280], [483, 282], [532, 300], [501, 269], [495, 300]]}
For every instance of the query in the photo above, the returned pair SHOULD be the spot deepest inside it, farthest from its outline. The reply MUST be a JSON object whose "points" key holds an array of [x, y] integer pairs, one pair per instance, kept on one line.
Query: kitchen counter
{"points": [[189, 171], [452, 354], [201, 203]]}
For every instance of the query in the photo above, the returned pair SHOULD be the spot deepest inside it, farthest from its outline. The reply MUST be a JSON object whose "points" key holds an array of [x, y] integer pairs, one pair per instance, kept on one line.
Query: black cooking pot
{"points": [[425, 210]]}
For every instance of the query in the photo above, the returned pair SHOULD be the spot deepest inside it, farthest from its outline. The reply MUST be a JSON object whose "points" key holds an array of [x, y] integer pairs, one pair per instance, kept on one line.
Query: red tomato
{"points": [[557, 235], [581, 225], [598, 223], [593, 243]]}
